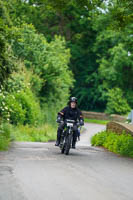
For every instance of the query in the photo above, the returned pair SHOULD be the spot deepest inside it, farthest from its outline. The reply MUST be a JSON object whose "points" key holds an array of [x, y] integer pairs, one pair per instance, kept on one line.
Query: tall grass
{"points": [[42, 133], [5, 135]]}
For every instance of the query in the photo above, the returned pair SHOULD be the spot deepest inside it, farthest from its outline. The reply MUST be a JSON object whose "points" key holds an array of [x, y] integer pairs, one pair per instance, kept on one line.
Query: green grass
{"points": [[119, 144], [104, 122], [4, 143], [5, 133], [42, 133], [8, 133]]}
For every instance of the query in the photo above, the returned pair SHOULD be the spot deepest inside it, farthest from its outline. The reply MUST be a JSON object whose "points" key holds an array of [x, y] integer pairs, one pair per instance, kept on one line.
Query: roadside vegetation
{"points": [[96, 121], [120, 144], [34, 82], [5, 135], [50, 50], [9, 133]]}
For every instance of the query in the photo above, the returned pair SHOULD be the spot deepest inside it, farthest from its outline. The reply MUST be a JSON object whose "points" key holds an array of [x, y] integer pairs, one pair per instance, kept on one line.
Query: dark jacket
{"points": [[71, 113]]}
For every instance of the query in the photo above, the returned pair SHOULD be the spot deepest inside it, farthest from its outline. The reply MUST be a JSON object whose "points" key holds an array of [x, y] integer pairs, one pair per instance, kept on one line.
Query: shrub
{"points": [[121, 144], [15, 110], [124, 145], [99, 139], [29, 105], [109, 142], [18, 103]]}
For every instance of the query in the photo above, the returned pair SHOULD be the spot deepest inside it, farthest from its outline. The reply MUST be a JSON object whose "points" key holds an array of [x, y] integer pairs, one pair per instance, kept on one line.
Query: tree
{"points": [[117, 103], [47, 61], [114, 51], [7, 60]]}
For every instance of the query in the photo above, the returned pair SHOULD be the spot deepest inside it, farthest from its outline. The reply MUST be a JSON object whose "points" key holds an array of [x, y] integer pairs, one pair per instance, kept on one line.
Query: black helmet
{"points": [[73, 99]]}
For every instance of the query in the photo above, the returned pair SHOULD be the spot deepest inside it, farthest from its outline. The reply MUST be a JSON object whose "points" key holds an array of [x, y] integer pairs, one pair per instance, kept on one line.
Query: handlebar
{"points": [[70, 121]]}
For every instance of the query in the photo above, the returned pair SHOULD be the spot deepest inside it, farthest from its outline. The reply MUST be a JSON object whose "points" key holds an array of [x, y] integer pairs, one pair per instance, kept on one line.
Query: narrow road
{"points": [[38, 171]]}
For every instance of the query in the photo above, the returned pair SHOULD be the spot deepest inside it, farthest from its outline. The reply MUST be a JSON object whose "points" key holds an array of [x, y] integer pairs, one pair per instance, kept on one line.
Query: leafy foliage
{"points": [[116, 102], [51, 49], [5, 135], [99, 139], [7, 60], [17, 102], [121, 144], [43, 133], [48, 61], [98, 34]]}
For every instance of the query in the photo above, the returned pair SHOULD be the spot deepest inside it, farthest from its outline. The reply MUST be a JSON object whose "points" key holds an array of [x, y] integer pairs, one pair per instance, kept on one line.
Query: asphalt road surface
{"points": [[38, 171]]}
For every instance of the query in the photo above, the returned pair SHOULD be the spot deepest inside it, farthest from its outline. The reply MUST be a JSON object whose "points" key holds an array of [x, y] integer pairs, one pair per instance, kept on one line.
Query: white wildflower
{"points": [[129, 53]]}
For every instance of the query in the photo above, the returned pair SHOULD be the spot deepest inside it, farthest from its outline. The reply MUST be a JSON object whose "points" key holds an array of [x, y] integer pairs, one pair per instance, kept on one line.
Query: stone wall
{"points": [[103, 116], [95, 115], [118, 127], [118, 118]]}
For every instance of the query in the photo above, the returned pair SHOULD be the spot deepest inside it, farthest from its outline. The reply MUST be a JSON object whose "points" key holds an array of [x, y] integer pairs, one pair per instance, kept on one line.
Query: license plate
{"points": [[70, 124]]}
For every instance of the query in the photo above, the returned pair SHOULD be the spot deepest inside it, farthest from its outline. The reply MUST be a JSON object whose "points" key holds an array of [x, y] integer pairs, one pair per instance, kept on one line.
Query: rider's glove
{"points": [[58, 119], [81, 122]]}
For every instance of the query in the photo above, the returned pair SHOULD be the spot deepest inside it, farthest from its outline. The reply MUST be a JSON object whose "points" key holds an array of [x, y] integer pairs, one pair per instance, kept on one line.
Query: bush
{"points": [[29, 105], [121, 144], [124, 145], [18, 104], [99, 139], [20, 107], [15, 110], [109, 142]]}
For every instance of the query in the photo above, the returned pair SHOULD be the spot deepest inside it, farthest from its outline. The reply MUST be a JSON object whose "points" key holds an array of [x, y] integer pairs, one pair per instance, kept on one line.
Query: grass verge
{"points": [[120, 144], [104, 122], [42, 133], [5, 133], [27, 133]]}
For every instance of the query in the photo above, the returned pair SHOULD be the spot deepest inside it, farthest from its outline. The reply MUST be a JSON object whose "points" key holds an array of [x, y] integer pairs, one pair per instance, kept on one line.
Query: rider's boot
{"points": [[58, 138], [74, 145], [57, 143]]}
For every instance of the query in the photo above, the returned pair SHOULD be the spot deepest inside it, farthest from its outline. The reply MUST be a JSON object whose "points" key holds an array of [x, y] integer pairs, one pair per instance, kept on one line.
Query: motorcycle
{"points": [[67, 136]]}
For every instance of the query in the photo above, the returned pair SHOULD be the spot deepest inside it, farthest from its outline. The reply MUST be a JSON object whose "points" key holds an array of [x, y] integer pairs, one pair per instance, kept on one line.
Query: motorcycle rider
{"points": [[73, 113]]}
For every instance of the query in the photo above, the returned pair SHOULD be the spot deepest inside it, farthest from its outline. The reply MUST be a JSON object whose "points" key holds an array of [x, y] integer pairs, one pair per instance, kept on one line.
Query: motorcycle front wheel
{"points": [[63, 149], [68, 145]]}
